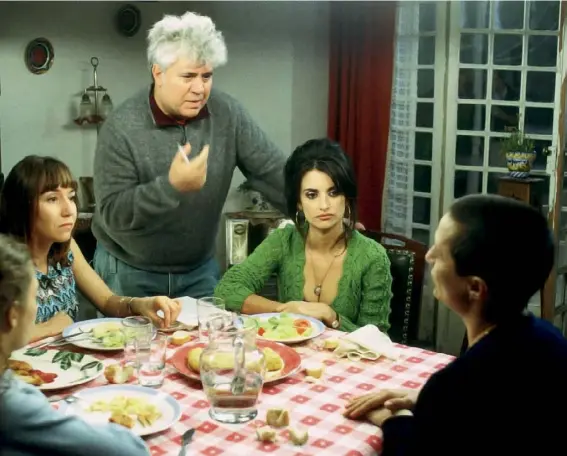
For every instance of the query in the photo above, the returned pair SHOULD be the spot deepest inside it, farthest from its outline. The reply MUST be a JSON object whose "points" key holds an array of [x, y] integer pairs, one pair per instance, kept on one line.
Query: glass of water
{"points": [[207, 309], [135, 328], [150, 354]]}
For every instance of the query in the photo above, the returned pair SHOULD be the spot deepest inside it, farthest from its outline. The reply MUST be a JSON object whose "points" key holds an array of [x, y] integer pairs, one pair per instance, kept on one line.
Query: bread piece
{"points": [[194, 359], [330, 344], [122, 419], [277, 418], [314, 371], [274, 362], [298, 436], [117, 374], [266, 434], [180, 337]]}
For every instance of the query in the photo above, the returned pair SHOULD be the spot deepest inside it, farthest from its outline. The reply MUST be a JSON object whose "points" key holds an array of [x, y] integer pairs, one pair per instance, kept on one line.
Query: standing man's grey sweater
{"points": [[141, 218]]}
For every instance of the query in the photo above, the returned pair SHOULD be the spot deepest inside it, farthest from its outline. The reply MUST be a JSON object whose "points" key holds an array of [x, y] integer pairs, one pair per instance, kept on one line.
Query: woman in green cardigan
{"points": [[326, 269]]}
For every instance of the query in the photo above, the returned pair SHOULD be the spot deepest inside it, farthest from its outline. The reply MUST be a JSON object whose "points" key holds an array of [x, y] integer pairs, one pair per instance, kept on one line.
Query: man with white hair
{"points": [[163, 166]]}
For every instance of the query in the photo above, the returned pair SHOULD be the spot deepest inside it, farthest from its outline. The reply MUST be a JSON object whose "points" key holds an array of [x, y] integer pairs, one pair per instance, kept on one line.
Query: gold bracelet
{"points": [[128, 302]]}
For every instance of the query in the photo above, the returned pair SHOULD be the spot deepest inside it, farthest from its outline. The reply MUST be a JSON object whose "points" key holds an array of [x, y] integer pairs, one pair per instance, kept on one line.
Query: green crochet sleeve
{"points": [[376, 292], [249, 277]]}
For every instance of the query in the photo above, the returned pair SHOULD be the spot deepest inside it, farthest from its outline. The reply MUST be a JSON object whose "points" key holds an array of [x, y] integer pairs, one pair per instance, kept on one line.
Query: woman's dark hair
{"points": [[28, 180], [507, 244], [328, 157]]}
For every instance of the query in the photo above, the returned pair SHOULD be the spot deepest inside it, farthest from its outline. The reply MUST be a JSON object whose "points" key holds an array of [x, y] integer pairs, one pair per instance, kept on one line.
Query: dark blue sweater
{"points": [[507, 395]]}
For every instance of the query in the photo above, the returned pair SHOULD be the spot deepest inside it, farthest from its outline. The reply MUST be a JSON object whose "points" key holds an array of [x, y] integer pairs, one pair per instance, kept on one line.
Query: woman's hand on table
{"points": [[386, 401], [317, 310], [149, 307]]}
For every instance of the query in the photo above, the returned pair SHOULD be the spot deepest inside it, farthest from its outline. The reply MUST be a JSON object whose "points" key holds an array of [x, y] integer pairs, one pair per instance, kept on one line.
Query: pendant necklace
{"points": [[319, 286]]}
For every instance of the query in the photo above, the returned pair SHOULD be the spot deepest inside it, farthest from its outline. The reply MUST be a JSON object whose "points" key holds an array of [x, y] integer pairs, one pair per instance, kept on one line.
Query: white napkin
{"points": [[188, 314], [367, 342]]}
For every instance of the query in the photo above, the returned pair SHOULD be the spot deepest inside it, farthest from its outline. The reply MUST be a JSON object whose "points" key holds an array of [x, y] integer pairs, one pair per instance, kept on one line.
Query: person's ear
{"points": [[478, 291]]}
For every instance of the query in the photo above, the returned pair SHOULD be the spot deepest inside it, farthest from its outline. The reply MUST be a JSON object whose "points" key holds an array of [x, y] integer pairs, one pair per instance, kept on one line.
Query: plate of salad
{"points": [[287, 328], [104, 334]]}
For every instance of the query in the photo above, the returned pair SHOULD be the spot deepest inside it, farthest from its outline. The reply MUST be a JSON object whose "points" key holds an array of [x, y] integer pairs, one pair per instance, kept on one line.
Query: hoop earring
{"points": [[297, 219], [349, 213]]}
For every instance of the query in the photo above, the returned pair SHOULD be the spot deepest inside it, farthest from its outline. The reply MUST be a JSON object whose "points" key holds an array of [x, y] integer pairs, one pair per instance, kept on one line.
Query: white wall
{"points": [[277, 67]]}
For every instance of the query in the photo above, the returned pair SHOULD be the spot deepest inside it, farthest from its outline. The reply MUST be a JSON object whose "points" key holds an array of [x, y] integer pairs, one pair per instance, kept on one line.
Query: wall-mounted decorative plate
{"points": [[39, 55], [128, 20]]}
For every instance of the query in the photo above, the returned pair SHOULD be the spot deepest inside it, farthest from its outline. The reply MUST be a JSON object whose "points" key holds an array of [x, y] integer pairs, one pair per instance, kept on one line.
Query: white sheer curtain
{"points": [[398, 200]]}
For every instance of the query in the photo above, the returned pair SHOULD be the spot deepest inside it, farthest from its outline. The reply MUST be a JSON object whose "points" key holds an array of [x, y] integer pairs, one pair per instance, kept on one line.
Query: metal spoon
{"points": [[186, 440]]}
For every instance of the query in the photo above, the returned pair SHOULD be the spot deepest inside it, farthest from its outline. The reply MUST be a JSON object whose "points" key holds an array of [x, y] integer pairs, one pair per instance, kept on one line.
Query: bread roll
{"points": [[180, 337]]}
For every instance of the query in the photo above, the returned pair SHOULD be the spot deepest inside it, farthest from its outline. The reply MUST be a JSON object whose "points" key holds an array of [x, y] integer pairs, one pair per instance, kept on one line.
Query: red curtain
{"points": [[360, 87]]}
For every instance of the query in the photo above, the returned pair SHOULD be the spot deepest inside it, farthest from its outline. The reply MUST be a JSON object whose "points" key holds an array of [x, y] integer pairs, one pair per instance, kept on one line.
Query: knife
{"points": [[186, 440]]}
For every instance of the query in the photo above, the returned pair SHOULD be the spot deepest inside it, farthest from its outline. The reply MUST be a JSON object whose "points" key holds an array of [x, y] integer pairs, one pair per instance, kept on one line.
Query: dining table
{"points": [[316, 407]]}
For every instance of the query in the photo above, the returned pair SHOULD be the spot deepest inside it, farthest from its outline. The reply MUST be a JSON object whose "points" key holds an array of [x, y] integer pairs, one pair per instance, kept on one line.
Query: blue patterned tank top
{"points": [[56, 292]]}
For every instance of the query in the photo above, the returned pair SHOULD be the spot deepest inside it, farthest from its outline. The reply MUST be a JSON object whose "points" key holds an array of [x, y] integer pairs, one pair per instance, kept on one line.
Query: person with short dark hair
{"points": [[502, 396], [326, 269]]}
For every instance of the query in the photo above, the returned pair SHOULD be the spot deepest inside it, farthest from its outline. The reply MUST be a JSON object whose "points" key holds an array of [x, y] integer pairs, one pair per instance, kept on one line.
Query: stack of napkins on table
{"points": [[367, 342]]}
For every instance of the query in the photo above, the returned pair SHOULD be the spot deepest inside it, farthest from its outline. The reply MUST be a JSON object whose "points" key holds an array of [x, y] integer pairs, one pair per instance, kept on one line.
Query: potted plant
{"points": [[520, 153]]}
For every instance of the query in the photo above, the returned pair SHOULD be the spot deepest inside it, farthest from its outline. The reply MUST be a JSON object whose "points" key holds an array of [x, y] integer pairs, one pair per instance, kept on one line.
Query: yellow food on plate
{"points": [[274, 362], [277, 418], [225, 360], [122, 419], [193, 358], [180, 337], [145, 412]]}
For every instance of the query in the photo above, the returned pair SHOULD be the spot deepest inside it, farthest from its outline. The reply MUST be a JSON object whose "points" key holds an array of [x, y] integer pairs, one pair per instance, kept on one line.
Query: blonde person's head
{"points": [[18, 288]]}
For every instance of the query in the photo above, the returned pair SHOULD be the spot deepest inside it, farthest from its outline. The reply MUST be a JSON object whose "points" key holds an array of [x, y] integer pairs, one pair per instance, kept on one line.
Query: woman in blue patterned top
{"points": [[38, 206]]}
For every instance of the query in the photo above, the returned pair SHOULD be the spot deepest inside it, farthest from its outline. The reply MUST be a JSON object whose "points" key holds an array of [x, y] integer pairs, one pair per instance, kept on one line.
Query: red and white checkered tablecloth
{"points": [[315, 407]]}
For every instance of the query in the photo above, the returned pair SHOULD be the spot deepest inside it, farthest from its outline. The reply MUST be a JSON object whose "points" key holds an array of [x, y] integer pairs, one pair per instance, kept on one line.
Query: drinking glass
{"points": [[207, 308], [135, 328], [150, 354]]}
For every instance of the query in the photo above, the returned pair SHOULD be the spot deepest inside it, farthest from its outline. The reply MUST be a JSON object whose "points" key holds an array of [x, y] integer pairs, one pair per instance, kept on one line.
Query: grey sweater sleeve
{"points": [[122, 201], [30, 425], [259, 159]]}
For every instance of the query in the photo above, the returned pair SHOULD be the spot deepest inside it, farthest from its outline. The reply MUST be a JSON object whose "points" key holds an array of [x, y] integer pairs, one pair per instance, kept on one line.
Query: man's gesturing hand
{"points": [[189, 175]]}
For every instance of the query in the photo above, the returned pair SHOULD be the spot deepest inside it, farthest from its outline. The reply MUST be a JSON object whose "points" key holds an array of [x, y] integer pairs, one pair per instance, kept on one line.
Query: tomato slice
{"points": [[300, 330], [301, 323], [261, 331]]}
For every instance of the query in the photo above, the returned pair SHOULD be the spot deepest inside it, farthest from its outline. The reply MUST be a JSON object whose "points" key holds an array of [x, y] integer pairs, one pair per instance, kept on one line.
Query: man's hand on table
{"points": [[149, 307], [377, 407]]}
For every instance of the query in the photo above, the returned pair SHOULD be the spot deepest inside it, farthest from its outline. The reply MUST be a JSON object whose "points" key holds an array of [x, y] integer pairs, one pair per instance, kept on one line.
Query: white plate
{"points": [[69, 367], [167, 405], [317, 325], [86, 326]]}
